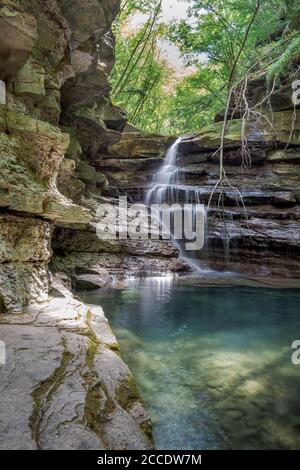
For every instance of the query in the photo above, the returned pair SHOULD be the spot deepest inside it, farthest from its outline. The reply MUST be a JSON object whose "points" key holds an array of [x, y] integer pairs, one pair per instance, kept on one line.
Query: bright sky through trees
{"points": [[172, 10], [176, 58]]}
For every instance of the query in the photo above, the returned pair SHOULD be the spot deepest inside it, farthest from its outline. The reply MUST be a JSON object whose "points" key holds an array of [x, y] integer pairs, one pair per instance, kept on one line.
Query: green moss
{"points": [[91, 351], [114, 347], [43, 393], [282, 65], [127, 393]]}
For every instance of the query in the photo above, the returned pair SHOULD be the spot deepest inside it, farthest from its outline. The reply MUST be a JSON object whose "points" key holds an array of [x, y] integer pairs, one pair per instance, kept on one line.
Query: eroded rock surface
{"points": [[266, 242], [59, 133], [64, 385]]}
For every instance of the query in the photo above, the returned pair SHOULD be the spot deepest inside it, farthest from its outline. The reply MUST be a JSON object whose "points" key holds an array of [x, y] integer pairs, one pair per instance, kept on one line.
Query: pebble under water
{"points": [[213, 364]]}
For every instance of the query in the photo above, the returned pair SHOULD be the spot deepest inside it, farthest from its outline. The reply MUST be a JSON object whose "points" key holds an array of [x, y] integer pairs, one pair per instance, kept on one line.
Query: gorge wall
{"points": [[64, 384], [267, 241], [65, 149], [56, 125]]}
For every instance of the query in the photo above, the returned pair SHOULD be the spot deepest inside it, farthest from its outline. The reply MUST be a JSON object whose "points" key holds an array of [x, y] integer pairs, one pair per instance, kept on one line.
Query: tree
{"points": [[211, 39]]}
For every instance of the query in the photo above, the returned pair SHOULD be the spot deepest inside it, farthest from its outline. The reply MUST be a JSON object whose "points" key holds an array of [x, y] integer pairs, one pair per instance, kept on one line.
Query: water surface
{"points": [[213, 364]]}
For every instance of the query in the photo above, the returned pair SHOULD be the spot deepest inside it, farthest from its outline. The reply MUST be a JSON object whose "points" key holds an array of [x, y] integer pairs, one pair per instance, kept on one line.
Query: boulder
{"points": [[92, 281]]}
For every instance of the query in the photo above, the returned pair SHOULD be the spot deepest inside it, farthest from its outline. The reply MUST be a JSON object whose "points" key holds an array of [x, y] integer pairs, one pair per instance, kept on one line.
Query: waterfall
{"points": [[168, 188]]}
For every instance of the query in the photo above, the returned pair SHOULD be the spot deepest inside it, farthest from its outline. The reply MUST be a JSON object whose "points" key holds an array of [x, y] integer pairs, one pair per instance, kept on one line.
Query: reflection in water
{"points": [[213, 364]]}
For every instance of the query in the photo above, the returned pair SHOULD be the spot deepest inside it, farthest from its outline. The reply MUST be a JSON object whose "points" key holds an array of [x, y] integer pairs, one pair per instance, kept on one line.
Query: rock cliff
{"points": [[266, 241], [65, 149], [64, 383], [57, 126]]}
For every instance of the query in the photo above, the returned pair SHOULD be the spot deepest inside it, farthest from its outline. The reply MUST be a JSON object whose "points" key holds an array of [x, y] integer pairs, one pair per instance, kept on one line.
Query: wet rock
{"points": [[92, 281], [66, 377], [140, 145]]}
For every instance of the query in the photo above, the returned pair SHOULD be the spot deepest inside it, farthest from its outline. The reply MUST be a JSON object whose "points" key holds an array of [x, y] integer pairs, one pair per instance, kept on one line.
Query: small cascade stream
{"points": [[168, 188]]}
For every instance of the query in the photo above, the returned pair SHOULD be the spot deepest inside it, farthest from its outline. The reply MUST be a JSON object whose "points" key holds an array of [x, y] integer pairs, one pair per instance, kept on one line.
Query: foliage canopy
{"points": [[157, 98]]}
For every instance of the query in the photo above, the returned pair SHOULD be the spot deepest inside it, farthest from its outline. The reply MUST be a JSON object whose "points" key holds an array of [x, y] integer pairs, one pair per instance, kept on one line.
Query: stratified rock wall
{"points": [[35, 61], [55, 120], [57, 126], [267, 241]]}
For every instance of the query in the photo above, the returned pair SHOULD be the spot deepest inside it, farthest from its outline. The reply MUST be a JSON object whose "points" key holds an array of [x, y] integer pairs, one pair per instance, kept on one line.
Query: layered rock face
{"points": [[263, 241], [69, 387], [262, 238], [57, 126]]}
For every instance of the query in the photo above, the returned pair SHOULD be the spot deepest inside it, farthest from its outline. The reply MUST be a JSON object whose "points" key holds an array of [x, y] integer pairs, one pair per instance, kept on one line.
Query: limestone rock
{"points": [[71, 389], [83, 90], [280, 99], [290, 155], [22, 283], [67, 182], [24, 239], [279, 131], [74, 151], [92, 281], [86, 173], [64, 211], [91, 131], [101, 181], [18, 33], [89, 18], [30, 81], [134, 145], [118, 264], [284, 199]]}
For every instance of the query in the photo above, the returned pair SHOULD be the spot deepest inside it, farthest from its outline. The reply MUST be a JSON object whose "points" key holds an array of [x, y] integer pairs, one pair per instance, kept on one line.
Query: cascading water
{"points": [[168, 188]]}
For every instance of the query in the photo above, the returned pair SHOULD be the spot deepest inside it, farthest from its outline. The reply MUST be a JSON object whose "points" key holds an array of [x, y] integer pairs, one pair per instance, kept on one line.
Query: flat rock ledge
{"points": [[64, 384]]}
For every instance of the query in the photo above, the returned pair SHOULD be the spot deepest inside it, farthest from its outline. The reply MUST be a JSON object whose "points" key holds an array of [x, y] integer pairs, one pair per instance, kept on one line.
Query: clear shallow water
{"points": [[213, 364]]}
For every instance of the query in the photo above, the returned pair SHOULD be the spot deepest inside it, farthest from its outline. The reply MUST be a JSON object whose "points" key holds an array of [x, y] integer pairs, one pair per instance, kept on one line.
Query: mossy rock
{"points": [[30, 81]]}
